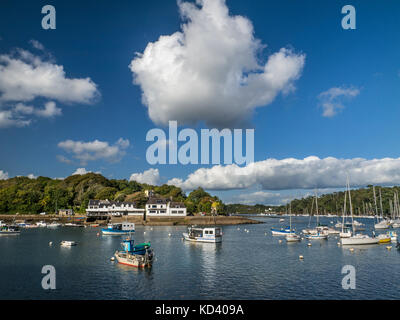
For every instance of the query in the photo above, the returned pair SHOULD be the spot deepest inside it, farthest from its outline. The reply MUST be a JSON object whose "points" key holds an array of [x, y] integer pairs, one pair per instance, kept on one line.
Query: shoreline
{"points": [[151, 221]]}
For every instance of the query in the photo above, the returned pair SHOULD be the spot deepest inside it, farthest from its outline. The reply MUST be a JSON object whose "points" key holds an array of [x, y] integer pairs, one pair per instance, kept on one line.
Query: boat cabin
{"points": [[196, 232], [124, 226]]}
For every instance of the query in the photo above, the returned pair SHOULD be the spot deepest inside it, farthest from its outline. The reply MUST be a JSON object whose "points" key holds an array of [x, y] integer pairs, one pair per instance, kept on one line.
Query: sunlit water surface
{"points": [[246, 265]]}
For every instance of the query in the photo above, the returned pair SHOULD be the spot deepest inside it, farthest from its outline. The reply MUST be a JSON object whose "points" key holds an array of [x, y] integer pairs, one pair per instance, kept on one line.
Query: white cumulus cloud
{"points": [[210, 71], [308, 173], [25, 77], [81, 171], [151, 176], [95, 150]]}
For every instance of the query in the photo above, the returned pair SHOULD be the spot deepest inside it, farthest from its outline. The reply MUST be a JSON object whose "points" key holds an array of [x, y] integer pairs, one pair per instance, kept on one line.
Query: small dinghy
{"points": [[68, 243]]}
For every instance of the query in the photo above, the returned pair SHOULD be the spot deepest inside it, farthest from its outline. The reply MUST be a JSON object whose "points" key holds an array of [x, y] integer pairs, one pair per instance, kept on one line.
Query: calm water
{"points": [[246, 265]]}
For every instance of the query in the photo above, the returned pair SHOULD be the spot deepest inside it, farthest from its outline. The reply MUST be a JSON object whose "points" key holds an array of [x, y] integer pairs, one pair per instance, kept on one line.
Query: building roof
{"points": [[157, 201], [106, 203], [177, 205]]}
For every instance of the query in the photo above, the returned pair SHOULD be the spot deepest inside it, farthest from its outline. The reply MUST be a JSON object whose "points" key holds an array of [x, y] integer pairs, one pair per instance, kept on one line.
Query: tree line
{"points": [[31, 196]]}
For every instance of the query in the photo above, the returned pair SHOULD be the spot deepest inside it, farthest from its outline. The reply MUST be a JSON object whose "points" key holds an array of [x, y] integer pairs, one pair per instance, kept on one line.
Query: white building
{"points": [[112, 208], [162, 207]]}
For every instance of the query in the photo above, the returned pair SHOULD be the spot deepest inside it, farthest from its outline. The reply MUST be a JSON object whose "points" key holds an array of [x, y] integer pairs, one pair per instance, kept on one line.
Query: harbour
{"points": [[249, 263]]}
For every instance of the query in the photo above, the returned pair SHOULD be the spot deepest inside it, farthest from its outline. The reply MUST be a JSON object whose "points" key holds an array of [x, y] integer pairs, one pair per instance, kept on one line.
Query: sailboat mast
{"points": [[344, 210], [316, 204], [380, 200], [376, 207], [351, 207]]}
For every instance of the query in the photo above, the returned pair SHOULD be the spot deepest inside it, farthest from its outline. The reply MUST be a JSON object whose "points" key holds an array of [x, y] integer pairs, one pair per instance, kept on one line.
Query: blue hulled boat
{"points": [[119, 228]]}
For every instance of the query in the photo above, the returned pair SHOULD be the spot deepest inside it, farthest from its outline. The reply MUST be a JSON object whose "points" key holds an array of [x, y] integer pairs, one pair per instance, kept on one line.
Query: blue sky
{"points": [[98, 40]]}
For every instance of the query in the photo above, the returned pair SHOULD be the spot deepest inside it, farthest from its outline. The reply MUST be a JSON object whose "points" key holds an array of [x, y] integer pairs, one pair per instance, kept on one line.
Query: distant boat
{"points": [[119, 228], [384, 238], [53, 225], [392, 235], [383, 224], [41, 224], [281, 232], [66, 243], [320, 232], [292, 236], [356, 239], [317, 236], [9, 230], [78, 225]]}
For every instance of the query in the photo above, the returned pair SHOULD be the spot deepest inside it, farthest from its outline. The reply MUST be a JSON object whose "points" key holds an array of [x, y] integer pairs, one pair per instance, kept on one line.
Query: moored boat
{"points": [[41, 224], [317, 236], [119, 228], [281, 232], [359, 239], [139, 256], [384, 238], [382, 225], [9, 230], [53, 225], [66, 243], [203, 234]]}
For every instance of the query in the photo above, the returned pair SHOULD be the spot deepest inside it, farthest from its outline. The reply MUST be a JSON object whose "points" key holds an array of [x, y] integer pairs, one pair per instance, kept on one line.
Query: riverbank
{"points": [[151, 221]]}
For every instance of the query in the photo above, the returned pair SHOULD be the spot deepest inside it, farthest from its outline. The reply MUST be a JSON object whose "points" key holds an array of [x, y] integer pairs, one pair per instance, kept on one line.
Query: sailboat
{"points": [[318, 233], [396, 213], [356, 239], [383, 224], [346, 232], [292, 236]]}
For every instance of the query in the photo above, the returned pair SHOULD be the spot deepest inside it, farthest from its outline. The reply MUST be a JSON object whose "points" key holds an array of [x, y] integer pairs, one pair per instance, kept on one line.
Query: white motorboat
{"points": [[41, 224], [384, 224], [317, 236], [293, 238], [119, 228], [9, 230], [53, 225], [66, 243], [201, 234]]}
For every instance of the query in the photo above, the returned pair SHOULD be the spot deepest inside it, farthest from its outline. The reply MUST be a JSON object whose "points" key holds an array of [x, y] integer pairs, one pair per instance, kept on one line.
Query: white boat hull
{"points": [[133, 260], [359, 241]]}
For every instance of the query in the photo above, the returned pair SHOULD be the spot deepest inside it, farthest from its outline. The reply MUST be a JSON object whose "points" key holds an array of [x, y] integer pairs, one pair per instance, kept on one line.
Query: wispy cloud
{"points": [[331, 100]]}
